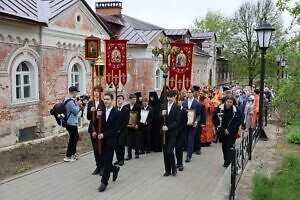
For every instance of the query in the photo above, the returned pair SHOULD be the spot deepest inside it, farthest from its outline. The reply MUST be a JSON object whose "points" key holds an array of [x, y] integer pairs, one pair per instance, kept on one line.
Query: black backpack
{"points": [[60, 113]]}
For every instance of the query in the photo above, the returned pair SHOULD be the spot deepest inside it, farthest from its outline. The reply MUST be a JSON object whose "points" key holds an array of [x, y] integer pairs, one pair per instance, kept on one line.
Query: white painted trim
{"points": [[79, 61], [34, 79]]}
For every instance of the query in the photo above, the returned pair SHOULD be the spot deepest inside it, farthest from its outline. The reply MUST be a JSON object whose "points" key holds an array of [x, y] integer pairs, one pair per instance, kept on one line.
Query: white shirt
{"points": [[169, 107], [145, 108], [96, 104], [107, 113], [120, 108], [131, 107], [190, 101]]}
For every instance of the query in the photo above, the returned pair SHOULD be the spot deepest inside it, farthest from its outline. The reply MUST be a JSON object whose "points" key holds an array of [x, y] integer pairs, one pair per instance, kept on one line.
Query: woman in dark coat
{"points": [[156, 140], [227, 119]]}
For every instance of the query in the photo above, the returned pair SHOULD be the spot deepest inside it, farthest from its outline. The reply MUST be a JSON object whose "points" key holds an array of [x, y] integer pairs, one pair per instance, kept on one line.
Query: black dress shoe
{"points": [[121, 162], [137, 156], [142, 152], [166, 174], [147, 152], [102, 187], [128, 158], [188, 160], [96, 171], [198, 152], [174, 172], [116, 163], [115, 173], [180, 168]]}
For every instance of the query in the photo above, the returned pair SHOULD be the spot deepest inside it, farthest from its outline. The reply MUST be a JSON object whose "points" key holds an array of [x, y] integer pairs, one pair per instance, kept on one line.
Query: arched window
{"points": [[157, 79], [23, 81], [75, 76]]}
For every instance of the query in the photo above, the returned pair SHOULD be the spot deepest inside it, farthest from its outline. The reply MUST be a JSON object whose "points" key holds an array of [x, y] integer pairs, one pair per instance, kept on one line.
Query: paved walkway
{"points": [[138, 179]]}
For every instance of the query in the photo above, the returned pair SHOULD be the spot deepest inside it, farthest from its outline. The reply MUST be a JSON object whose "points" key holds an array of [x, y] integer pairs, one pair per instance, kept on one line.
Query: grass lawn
{"points": [[283, 186]]}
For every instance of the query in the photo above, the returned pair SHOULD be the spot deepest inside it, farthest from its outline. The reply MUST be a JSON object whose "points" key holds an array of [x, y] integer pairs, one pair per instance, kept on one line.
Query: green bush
{"points": [[293, 135], [283, 186]]}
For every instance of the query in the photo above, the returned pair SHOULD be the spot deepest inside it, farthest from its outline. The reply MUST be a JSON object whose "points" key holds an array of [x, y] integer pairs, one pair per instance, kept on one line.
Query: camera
{"points": [[84, 99]]}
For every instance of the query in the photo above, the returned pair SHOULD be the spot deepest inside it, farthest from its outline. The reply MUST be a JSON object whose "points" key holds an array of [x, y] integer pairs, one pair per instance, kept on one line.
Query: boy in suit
{"points": [[110, 124], [191, 104], [173, 118]]}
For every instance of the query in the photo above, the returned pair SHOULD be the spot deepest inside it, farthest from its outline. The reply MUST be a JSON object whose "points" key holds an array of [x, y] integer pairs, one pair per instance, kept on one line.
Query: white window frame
{"points": [[157, 79], [33, 79], [82, 74]]}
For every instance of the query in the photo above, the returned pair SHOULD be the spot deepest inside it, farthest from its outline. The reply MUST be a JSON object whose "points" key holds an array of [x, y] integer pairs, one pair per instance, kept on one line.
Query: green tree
{"points": [[244, 44], [216, 22]]}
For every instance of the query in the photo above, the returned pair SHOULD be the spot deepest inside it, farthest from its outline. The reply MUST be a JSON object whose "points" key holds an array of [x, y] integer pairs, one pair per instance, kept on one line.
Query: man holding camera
{"points": [[73, 107]]}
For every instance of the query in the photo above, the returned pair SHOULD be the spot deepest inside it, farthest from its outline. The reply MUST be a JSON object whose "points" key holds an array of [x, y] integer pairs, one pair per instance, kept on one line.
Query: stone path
{"points": [[138, 179]]}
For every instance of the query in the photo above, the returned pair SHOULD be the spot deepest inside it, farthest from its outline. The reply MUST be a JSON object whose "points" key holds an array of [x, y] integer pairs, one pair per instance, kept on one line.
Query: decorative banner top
{"points": [[116, 60], [92, 48], [181, 65]]}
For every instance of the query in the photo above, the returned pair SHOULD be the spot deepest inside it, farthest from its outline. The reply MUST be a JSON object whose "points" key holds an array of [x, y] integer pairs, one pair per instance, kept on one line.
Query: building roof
{"points": [[136, 31], [40, 11], [202, 35], [177, 32]]}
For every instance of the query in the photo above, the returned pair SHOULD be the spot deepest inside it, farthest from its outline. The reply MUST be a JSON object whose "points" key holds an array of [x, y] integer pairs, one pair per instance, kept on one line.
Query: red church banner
{"points": [[181, 66], [116, 56]]}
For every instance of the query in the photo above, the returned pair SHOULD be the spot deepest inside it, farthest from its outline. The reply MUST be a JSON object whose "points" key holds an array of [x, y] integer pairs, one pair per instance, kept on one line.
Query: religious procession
{"points": [[144, 100], [181, 119]]}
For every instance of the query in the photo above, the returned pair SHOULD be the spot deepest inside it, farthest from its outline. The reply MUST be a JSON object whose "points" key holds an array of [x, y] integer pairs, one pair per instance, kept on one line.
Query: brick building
{"points": [[42, 54]]}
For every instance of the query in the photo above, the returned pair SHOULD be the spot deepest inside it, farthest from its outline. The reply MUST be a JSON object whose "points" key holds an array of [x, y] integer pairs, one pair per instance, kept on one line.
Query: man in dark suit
{"points": [[133, 136], [110, 124], [145, 127], [191, 104], [202, 122], [122, 133], [181, 134], [91, 110], [172, 112]]}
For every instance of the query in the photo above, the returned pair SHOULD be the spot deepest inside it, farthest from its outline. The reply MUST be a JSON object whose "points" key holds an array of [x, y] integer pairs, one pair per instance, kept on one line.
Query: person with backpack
{"points": [[73, 107]]}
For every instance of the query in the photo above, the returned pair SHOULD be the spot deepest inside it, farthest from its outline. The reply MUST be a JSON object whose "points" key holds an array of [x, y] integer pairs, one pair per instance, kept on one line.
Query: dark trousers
{"points": [[197, 139], [190, 140], [133, 142], [108, 166], [227, 144], [98, 158], [120, 152], [146, 140], [169, 159], [73, 139], [179, 147]]}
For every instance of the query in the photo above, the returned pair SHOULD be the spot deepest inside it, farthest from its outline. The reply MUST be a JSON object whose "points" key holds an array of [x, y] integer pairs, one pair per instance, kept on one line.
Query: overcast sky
{"points": [[174, 14]]}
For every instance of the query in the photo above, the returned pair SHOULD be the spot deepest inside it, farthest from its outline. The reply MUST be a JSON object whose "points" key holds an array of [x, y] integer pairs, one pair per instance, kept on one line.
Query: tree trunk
{"points": [[250, 81]]}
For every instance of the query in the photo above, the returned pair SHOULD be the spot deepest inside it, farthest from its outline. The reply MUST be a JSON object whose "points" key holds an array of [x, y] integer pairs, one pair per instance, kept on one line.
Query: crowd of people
{"points": [[172, 124]]}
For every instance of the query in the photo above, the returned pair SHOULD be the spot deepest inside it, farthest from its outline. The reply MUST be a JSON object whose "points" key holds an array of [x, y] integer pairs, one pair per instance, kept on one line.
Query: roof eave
{"points": [[21, 19]]}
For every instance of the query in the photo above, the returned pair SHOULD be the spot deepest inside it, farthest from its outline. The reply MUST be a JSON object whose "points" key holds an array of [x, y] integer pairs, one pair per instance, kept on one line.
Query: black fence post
{"points": [[250, 143], [233, 174]]}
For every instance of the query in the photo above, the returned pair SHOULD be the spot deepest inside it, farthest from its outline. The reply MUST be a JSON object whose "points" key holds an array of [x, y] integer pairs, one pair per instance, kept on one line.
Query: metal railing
{"points": [[240, 156]]}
